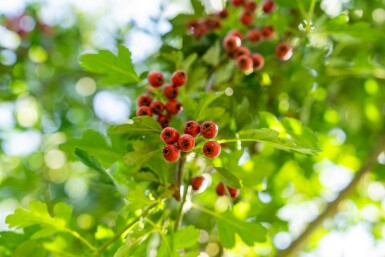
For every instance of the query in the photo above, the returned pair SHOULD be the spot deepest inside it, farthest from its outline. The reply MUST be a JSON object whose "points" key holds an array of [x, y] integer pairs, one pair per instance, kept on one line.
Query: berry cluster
{"points": [[176, 143], [148, 106], [197, 183], [199, 28], [250, 7]]}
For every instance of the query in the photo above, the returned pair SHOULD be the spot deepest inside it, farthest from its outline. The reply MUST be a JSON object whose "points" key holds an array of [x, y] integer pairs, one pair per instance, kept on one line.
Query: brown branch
{"points": [[332, 207]]}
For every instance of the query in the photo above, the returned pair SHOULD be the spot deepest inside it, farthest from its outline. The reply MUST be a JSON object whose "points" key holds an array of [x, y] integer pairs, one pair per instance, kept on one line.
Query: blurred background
{"points": [[46, 99]]}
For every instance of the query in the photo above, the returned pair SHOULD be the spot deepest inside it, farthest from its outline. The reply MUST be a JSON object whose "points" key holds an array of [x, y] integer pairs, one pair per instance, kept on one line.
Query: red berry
{"points": [[258, 61], [163, 120], [237, 2], [268, 32], [144, 110], [250, 5], [284, 51], [170, 91], [220, 190], [179, 78], [223, 14], [169, 135], [212, 149], [144, 100], [155, 78], [254, 36], [171, 153], [246, 18], [192, 128], [157, 107], [201, 30], [245, 63], [209, 129], [242, 51], [236, 33], [268, 6], [186, 143], [212, 23], [197, 182], [173, 107], [231, 43], [192, 25]]}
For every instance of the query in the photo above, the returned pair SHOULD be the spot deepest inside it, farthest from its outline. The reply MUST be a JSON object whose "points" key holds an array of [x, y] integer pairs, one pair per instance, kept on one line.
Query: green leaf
{"points": [[213, 54], [140, 126], [205, 99], [186, 237], [89, 160], [142, 153], [138, 199], [228, 226], [229, 178], [115, 69]]}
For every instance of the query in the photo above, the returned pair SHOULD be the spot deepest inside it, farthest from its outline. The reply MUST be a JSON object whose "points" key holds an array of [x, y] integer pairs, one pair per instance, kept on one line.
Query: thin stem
{"points": [[82, 239], [332, 208], [128, 226], [179, 176], [180, 211], [310, 15], [156, 227]]}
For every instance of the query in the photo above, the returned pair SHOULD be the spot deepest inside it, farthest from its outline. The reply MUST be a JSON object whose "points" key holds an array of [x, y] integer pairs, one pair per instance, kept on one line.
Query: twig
{"points": [[180, 211], [332, 208], [179, 177]]}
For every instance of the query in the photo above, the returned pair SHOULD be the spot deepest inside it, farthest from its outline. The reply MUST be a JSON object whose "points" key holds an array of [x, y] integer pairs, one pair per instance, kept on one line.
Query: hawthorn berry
{"points": [[144, 110], [231, 43], [171, 153], [163, 120], [268, 6], [212, 149], [144, 100], [212, 23], [169, 135], [192, 128], [220, 190], [170, 91], [157, 107], [242, 51], [237, 2], [245, 63], [209, 129], [186, 143], [223, 14], [246, 18], [201, 30], [197, 182], [283, 51], [250, 5], [254, 36], [155, 78], [258, 61], [268, 32], [173, 107], [236, 33], [179, 78]]}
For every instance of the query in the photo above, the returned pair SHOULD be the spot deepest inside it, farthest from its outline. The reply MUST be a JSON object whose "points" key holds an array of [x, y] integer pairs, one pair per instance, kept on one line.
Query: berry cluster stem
{"points": [[179, 176], [180, 211]]}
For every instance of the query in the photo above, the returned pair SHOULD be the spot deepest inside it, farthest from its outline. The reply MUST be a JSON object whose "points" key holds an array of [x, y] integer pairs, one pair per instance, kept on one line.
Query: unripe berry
{"points": [[171, 153], [173, 107], [220, 190], [268, 32], [231, 43], [212, 149], [197, 182], [157, 107], [192, 128], [245, 63], [246, 18], [144, 100], [237, 2], [179, 78], [144, 110], [209, 129], [170, 91], [155, 78], [268, 6], [186, 143], [284, 51], [250, 5], [169, 135], [254, 36], [258, 61], [242, 51], [163, 120]]}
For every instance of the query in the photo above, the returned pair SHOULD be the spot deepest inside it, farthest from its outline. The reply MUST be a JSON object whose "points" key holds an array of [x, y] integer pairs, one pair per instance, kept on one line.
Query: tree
{"points": [[299, 105]]}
